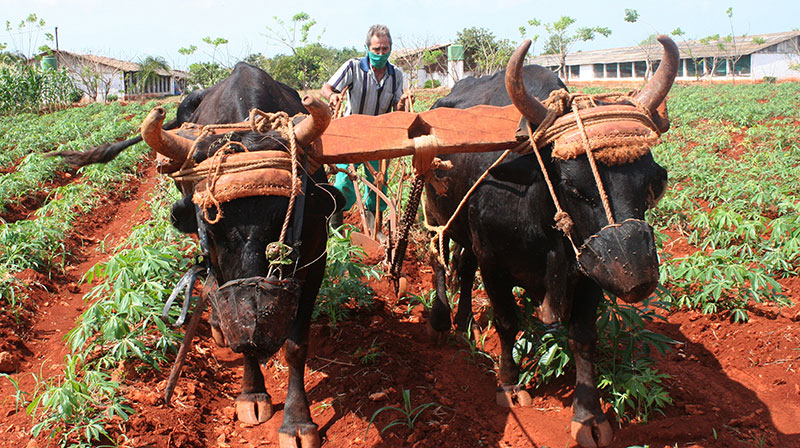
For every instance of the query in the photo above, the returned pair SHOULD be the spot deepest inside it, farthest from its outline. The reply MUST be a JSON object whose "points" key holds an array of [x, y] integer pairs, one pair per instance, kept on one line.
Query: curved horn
{"points": [[528, 105], [173, 146], [315, 124], [654, 92]]}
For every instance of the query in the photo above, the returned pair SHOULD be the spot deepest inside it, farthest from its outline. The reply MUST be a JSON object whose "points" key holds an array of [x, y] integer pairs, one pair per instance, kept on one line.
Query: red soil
{"points": [[733, 385]]}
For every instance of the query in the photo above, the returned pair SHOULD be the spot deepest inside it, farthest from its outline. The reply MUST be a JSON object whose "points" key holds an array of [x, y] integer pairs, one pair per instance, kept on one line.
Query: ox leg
{"points": [[506, 322], [297, 429], [590, 427], [439, 320], [254, 405], [466, 267]]}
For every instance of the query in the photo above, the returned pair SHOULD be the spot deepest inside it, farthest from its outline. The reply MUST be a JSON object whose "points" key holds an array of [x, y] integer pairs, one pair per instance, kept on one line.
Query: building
{"points": [[433, 66], [100, 76], [754, 58]]}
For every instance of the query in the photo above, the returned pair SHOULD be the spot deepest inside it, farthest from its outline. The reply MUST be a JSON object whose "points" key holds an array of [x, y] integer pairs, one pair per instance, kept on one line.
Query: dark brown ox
{"points": [[507, 226], [257, 313]]}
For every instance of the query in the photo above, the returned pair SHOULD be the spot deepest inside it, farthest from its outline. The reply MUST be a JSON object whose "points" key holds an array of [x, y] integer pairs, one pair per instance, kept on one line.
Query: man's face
{"points": [[380, 45]]}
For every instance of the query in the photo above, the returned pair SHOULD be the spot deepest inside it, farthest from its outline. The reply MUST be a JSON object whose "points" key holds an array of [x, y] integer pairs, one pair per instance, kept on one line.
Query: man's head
{"points": [[379, 45], [379, 32]]}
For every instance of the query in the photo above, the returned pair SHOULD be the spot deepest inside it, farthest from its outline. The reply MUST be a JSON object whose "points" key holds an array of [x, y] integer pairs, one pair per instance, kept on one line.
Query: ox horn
{"points": [[173, 146], [527, 104], [315, 124], [655, 91]]}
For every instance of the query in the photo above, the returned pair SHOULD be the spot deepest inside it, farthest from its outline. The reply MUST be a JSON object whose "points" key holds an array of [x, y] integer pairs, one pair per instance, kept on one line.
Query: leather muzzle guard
{"points": [[256, 313], [622, 259]]}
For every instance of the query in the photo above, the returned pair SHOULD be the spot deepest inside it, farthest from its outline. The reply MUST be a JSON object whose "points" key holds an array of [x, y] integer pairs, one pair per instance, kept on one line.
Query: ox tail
{"points": [[103, 153]]}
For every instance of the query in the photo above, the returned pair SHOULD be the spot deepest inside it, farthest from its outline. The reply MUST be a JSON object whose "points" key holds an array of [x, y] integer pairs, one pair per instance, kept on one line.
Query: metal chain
{"points": [[409, 216]]}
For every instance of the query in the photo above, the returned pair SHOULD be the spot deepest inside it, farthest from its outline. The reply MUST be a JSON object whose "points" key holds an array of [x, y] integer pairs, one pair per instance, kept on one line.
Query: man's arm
{"points": [[333, 97]]}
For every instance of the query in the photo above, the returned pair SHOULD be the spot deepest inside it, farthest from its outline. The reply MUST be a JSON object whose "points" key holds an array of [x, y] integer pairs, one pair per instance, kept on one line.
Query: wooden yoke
{"points": [[361, 138]]}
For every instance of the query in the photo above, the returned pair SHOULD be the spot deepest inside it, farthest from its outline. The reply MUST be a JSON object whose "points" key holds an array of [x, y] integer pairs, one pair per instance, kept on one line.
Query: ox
{"points": [[507, 229], [258, 313]]}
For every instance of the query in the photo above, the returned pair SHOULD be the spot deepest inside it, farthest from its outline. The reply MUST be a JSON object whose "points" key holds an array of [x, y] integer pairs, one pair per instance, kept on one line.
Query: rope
{"points": [[260, 122], [293, 195], [593, 164], [441, 229], [557, 103]]}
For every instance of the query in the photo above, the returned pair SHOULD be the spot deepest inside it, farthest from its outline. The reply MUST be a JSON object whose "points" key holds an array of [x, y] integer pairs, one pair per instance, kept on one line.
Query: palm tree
{"points": [[150, 69]]}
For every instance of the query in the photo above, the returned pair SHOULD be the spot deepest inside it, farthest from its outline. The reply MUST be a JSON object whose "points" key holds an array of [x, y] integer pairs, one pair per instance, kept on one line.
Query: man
{"points": [[374, 87]]}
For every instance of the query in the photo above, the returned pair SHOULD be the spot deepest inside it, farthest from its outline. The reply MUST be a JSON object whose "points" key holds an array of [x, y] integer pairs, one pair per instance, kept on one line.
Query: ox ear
{"points": [[325, 199], [522, 170], [183, 215]]}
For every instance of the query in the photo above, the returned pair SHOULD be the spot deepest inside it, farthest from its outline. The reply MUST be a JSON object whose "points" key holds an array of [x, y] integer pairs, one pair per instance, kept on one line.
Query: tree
{"points": [[287, 35], [560, 40], [419, 56], [649, 46], [150, 69], [95, 78], [483, 53], [696, 62], [28, 32], [206, 74]]}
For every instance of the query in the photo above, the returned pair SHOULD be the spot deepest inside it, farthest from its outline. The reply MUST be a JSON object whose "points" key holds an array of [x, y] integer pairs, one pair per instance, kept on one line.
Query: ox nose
{"points": [[622, 259]]}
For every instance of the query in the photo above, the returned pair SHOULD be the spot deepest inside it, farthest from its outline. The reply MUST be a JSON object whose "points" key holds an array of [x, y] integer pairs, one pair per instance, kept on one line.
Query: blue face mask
{"points": [[378, 60]]}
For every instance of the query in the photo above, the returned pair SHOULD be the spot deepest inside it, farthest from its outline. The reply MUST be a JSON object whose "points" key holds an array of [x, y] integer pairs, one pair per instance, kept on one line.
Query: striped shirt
{"points": [[366, 94]]}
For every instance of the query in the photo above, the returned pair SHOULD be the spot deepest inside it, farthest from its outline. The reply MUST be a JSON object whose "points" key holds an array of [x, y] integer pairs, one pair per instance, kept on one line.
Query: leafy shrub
{"points": [[111, 98], [343, 288], [432, 84], [625, 370], [76, 96]]}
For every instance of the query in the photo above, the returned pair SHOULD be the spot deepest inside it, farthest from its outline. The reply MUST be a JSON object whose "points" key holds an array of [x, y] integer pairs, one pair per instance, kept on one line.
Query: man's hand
{"points": [[405, 102], [334, 100]]}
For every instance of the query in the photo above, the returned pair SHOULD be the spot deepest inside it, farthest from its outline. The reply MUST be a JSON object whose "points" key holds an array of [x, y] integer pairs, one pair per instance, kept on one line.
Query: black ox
{"points": [[507, 229], [238, 241]]}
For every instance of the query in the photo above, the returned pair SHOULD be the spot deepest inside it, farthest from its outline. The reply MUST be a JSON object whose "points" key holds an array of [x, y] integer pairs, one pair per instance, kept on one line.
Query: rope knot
{"points": [[564, 222]]}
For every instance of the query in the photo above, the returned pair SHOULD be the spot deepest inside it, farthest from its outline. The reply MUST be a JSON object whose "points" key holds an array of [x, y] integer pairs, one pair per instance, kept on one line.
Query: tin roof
{"points": [[125, 66], [699, 48]]}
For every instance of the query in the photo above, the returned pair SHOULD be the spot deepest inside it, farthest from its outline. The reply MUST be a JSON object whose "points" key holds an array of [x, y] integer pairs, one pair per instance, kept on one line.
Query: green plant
{"points": [[370, 354], [343, 286], [111, 98], [432, 84], [20, 396], [409, 414]]}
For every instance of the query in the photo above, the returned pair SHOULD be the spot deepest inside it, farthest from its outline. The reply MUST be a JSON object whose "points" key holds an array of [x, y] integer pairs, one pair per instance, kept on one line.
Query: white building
{"points": [[754, 58], [100, 76], [444, 70]]}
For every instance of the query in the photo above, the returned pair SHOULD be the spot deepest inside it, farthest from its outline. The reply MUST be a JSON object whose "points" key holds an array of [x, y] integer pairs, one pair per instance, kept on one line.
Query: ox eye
{"points": [[575, 193]]}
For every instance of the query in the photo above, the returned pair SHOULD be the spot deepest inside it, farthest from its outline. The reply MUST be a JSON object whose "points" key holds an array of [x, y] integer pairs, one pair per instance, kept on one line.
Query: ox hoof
{"points": [[307, 436], [402, 287], [591, 434], [513, 396], [253, 409], [435, 336], [219, 339]]}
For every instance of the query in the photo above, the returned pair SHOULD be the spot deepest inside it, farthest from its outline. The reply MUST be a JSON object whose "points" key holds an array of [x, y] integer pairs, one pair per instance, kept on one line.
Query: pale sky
{"points": [[131, 30]]}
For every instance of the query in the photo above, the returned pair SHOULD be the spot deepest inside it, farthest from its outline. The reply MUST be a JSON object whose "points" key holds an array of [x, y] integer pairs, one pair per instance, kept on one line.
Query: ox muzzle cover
{"points": [[256, 313], [622, 259]]}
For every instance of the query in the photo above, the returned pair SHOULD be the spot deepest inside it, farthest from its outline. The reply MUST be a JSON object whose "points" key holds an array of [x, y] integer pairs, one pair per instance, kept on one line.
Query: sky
{"points": [[132, 30]]}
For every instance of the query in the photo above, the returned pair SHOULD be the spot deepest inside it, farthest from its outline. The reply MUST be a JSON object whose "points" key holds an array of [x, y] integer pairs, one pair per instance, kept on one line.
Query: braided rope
{"points": [[590, 155], [260, 122], [557, 103], [294, 193]]}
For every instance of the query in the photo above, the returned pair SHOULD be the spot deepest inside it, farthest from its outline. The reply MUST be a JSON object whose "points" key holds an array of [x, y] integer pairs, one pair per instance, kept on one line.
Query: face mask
{"points": [[378, 60]]}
